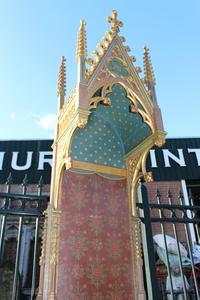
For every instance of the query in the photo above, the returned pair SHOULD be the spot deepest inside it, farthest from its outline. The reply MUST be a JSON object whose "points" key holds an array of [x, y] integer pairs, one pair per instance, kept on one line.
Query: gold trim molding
{"points": [[97, 168]]}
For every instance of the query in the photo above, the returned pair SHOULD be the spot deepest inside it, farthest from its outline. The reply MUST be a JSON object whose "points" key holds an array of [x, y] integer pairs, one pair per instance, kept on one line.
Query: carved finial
{"points": [[105, 41], [81, 51], [62, 82], [115, 23], [132, 58], [148, 68], [138, 70], [96, 55], [122, 39], [101, 48]]}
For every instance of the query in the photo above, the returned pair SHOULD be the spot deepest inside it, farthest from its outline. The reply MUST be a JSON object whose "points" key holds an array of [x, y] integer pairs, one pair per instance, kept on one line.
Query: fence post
{"points": [[148, 245]]}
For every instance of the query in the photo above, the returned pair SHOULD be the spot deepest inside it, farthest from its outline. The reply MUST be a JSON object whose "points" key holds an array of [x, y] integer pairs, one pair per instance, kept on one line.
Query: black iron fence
{"points": [[21, 223], [171, 259], [171, 247]]}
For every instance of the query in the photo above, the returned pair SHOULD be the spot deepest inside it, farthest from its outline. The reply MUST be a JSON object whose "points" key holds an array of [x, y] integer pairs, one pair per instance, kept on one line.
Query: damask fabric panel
{"points": [[95, 248]]}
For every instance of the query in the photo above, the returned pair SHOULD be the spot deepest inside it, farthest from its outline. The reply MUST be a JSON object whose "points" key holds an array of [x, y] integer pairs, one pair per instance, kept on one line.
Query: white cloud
{"points": [[12, 115], [47, 121]]}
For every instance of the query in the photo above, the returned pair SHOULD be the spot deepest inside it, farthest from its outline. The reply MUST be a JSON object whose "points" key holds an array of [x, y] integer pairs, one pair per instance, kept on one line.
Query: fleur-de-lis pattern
{"points": [[95, 252]]}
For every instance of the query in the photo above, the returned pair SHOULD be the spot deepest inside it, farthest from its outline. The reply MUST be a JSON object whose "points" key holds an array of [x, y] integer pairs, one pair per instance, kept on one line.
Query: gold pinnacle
{"points": [[81, 50], [62, 78], [148, 68], [115, 23]]}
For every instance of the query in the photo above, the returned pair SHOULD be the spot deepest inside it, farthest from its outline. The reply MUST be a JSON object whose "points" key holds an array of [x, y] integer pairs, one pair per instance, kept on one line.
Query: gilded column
{"points": [[138, 262], [55, 223], [42, 258], [135, 165]]}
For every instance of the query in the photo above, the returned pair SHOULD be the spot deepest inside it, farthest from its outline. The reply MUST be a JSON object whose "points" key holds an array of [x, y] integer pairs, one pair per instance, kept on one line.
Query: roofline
{"points": [[30, 140]]}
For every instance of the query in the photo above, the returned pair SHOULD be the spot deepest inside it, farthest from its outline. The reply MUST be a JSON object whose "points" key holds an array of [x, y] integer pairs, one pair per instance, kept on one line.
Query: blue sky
{"points": [[35, 34]]}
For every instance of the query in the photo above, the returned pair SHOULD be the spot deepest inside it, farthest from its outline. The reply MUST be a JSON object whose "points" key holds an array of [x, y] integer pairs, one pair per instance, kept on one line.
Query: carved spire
{"points": [[149, 77], [81, 51], [148, 68], [62, 83], [115, 23]]}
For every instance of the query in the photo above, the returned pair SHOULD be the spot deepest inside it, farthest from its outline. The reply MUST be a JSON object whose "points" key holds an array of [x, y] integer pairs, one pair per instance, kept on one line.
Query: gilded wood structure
{"points": [[105, 128]]}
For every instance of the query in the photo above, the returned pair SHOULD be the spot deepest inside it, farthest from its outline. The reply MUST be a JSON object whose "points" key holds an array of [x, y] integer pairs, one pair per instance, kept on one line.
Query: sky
{"points": [[35, 34]]}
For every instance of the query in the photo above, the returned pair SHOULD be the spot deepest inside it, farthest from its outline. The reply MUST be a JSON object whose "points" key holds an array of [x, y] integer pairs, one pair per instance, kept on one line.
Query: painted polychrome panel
{"points": [[112, 131], [95, 247]]}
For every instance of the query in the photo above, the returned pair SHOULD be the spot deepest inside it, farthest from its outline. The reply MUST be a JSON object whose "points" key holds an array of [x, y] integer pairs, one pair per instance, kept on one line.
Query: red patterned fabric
{"points": [[94, 250]]}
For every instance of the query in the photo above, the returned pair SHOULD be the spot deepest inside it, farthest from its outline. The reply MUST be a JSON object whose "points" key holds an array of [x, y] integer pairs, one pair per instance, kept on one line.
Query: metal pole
{"points": [[158, 196], [187, 233], [16, 273], [3, 217], [148, 246], [35, 258], [194, 214], [3, 222], [178, 247]]}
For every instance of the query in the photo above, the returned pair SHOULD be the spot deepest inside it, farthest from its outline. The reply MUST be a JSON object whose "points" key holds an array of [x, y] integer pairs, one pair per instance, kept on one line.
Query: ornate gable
{"points": [[112, 113]]}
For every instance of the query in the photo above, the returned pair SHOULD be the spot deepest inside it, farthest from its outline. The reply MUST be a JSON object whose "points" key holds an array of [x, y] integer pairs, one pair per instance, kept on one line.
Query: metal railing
{"points": [[21, 220], [171, 268]]}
